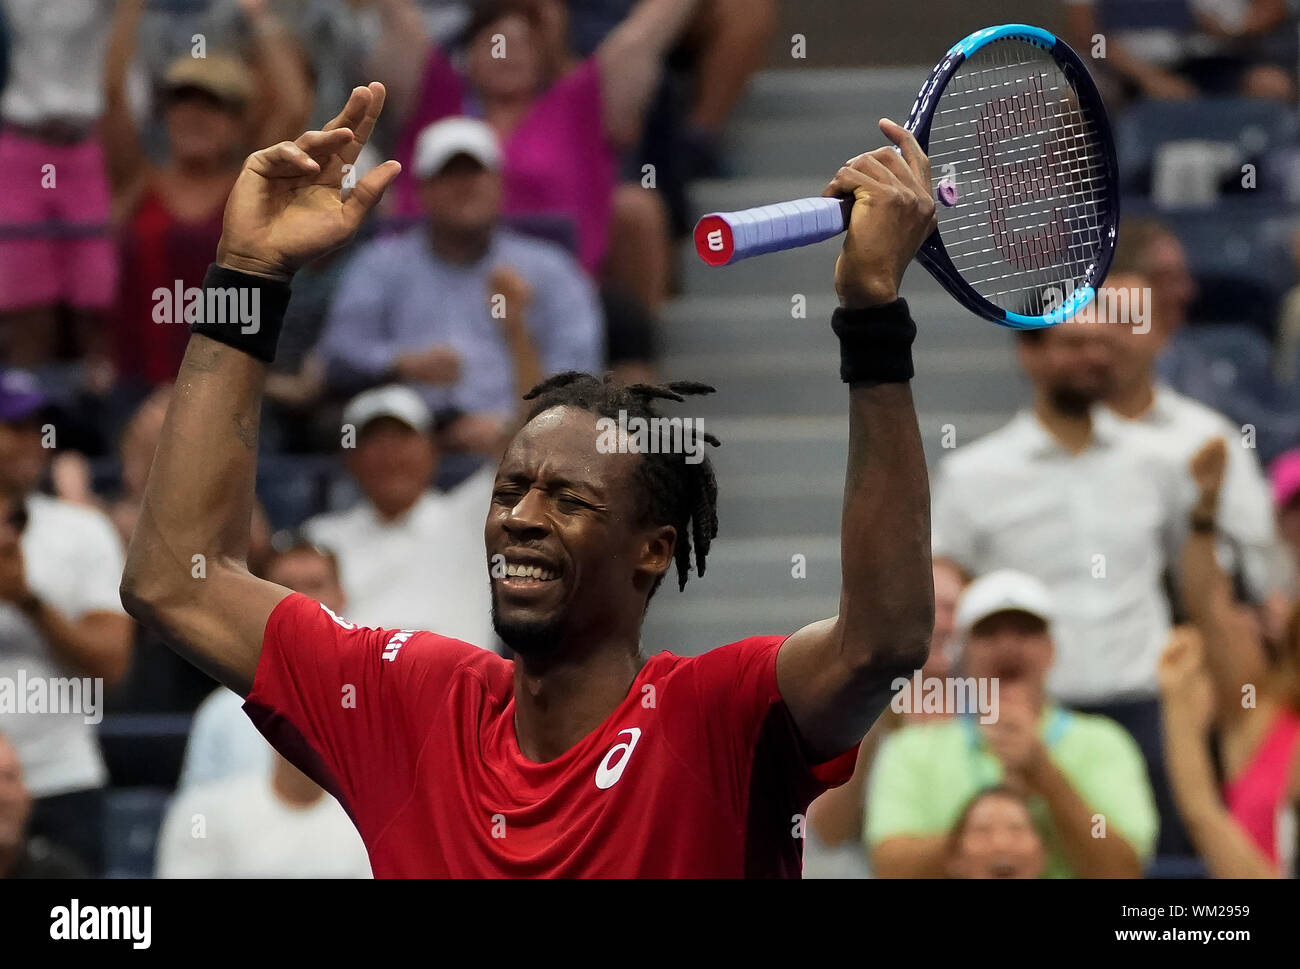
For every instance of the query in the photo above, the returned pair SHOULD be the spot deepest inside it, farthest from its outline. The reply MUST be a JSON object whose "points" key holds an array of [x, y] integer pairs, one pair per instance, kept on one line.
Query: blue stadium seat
{"points": [[1243, 356], [1255, 126], [293, 487], [132, 818], [1239, 251]]}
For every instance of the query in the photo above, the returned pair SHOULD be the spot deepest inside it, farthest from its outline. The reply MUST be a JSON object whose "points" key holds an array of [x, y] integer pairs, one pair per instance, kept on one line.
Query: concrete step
{"points": [[801, 93], [805, 384], [689, 629], [809, 147], [785, 458], [702, 324]]}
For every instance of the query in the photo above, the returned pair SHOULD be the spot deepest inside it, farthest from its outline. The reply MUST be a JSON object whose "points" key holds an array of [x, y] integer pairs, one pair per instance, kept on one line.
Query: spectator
{"points": [[22, 856], [60, 615], [995, 837], [707, 73], [276, 824], [1288, 326], [1150, 248], [1073, 767], [1181, 425], [223, 741], [1072, 494], [408, 555], [54, 250], [1182, 50], [468, 312], [563, 129], [171, 213], [835, 819], [1219, 673], [1285, 476], [157, 680]]}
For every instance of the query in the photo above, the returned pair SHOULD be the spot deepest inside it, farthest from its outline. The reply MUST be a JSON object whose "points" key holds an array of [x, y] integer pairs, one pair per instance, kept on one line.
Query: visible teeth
{"points": [[529, 572]]}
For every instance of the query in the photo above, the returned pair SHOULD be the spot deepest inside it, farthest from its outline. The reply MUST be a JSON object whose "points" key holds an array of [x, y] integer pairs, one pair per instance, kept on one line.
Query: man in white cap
{"points": [[408, 555], [470, 314], [1084, 775]]}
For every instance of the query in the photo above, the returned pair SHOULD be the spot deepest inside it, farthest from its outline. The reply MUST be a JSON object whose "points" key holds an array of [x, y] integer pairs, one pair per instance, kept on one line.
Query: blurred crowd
{"points": [[1120, 560], [546, 148], [1121, 557]]}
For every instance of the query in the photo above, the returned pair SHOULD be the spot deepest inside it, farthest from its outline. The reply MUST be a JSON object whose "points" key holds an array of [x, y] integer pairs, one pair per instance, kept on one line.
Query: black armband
{"points": [[875, 343], [242, 311]]}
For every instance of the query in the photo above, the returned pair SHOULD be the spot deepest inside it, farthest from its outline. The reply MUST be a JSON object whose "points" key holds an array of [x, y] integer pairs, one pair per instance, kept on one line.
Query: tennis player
{"points": [[583, 756]]}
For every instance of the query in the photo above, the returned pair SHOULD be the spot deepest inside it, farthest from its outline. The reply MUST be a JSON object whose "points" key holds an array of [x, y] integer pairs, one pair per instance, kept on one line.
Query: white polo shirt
{"points": [[1096, 527], [239, 828], [73, 560], [426, 570], [1180, 426]]}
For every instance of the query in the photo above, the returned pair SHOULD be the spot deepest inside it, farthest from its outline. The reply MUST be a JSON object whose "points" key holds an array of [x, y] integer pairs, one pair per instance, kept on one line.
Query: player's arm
{"points": [[284, 210], [835, 675]]}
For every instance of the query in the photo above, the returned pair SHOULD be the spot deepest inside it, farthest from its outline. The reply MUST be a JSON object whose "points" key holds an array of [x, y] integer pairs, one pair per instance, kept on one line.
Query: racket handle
{"points": [[722, 238]]}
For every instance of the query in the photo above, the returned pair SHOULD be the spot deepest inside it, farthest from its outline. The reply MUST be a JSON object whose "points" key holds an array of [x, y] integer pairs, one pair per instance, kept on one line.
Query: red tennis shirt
{"points": [[698, 772]]}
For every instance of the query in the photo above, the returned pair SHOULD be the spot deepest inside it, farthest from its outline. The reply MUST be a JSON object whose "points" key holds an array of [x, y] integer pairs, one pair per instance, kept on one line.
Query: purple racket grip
{"points": [[722, 238]]}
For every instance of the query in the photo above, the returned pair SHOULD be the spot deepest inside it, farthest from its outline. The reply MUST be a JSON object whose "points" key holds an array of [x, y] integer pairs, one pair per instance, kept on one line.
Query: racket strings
{"points": [[1031, 176]]}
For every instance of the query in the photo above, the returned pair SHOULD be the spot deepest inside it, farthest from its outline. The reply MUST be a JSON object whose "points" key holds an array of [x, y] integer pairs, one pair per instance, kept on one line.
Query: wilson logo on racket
{"points": [[1013, 113]]}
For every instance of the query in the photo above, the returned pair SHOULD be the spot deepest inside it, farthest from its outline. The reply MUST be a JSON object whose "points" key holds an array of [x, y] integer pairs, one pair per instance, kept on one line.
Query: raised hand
{"points": [[287, 207], [893, 213], [1207, 467]]}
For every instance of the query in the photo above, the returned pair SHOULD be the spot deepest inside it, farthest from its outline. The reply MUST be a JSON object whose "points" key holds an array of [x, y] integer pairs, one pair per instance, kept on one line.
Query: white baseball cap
{"points": [[1005, 590], [443, 140], [394, 400]]}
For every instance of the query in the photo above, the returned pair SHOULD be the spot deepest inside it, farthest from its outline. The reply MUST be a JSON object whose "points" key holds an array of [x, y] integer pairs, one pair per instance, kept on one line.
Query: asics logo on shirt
{"points": [[607, 773]]}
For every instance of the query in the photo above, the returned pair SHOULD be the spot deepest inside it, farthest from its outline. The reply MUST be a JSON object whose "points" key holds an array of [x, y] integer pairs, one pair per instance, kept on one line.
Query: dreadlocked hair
{"points": [[676, 492]]}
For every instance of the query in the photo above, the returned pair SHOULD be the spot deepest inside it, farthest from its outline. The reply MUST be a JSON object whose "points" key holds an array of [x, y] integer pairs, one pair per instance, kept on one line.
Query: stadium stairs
{"points": [[780, 410]]}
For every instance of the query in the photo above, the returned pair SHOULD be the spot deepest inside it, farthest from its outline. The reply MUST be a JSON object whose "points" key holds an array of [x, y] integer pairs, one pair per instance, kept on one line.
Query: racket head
{"points": [[1023, 166]]}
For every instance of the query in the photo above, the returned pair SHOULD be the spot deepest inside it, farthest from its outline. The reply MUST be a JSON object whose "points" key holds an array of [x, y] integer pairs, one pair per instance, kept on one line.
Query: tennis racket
{"points": [[1025, 183]]}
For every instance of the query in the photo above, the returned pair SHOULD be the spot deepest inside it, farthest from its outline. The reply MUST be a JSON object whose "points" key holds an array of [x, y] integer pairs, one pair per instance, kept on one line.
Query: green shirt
{"points": [[924, 775]]}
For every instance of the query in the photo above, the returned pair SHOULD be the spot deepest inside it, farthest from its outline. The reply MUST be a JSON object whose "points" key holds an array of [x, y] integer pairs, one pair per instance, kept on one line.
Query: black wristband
{"points": [[875, 343], [242, 311]]}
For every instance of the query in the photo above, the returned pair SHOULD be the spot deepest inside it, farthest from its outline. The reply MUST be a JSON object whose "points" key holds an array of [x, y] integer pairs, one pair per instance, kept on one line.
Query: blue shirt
{"points": [[397, 296]]}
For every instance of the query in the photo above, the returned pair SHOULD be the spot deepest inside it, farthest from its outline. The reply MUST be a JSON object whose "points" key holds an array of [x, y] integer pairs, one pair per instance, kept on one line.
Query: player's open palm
{"points": [[288, 208]]}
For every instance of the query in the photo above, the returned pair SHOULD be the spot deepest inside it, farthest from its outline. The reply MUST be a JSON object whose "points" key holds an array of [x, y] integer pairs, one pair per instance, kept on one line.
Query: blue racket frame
{"points": [[934, 256], [723, 238]]}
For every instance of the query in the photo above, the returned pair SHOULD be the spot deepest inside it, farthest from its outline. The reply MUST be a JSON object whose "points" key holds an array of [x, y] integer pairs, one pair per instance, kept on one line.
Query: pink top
{"points": [[1254, 796], [558, 161]]}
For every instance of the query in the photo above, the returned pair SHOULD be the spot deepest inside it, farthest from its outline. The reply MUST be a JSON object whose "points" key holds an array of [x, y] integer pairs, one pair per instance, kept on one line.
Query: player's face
{"points": [[998, 840], [567, 557]]}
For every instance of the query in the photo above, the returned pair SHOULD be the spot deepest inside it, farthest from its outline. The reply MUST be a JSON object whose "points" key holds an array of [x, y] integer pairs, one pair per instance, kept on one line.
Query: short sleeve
{"points": [[349, 706], [749, 737]]}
